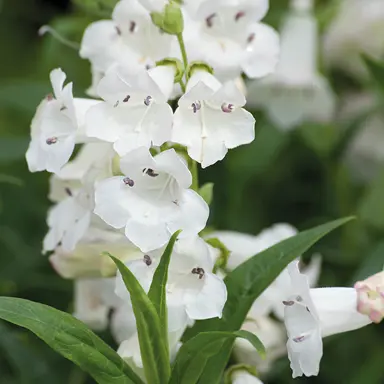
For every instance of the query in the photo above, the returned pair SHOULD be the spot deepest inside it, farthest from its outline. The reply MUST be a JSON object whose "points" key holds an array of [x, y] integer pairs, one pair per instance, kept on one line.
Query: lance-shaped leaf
{"points": [[157, 292], [153, 346], [195, 353], [247, 282], [71, 338]]}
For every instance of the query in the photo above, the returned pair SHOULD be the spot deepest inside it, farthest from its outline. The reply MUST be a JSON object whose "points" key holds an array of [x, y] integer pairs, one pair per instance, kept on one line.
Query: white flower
{"points": [[152, 200], [135, 112], [344, 44], [244, 246], [130, 38], [210, 120], [242, 376], [68, 221], [295, 92], [55, 126], [193, 291], [89, 306], [311, 314], [271, 333], [228, 37], [87, 259]]}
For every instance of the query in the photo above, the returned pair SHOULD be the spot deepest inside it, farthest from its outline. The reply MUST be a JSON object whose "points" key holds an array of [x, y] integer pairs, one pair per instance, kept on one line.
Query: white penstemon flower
{"points": [[130, 37], [311, 314], [135, 109], [55, 127], [210, 120], [296, 92], [230, 38], [193, 291], [152, 200]]}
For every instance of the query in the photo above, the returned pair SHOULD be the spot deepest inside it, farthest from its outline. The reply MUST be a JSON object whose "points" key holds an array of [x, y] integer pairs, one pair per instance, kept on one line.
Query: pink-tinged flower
{"points": [[370, 297]]}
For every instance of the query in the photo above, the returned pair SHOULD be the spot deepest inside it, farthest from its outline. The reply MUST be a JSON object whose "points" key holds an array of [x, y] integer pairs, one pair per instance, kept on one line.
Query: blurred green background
{"points": [[300, 178]]}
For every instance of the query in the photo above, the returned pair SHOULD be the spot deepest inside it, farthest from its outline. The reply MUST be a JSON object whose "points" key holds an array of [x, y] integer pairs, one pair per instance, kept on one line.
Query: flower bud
{"points": [[370, 297], [176, 63], [170, 20]]}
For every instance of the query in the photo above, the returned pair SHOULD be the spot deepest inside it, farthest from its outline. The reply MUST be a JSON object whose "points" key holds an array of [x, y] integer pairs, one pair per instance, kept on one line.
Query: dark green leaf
{"points": [[157, 292], [151, 337], [71, 338], [247, 282], [194, 354]]}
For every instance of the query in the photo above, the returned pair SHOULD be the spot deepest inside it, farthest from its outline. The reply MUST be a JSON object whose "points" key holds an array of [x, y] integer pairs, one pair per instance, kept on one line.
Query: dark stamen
{"points": [[125, 100], [227, 108], [150, 172], [63, 108], [49, 97], [132, 26], [147, 100], [198, 271], [288, 303], [196, 106], [128, 181], [209, 20], [251, 37], [118, 30], [51, 140], [147, 260], [116, 104], [239, 15], [68, 191]]}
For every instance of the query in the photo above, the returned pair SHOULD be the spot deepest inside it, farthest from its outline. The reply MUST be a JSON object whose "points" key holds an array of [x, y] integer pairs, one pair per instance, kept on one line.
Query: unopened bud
{"points": [[370, 297], [170, 20]]}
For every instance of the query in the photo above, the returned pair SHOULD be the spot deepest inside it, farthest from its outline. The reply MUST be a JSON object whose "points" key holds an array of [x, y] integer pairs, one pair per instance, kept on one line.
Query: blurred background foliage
{"points": [[299, 177]]}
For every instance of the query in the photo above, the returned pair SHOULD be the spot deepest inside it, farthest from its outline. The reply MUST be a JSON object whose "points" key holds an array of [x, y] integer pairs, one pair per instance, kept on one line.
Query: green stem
{"points": [[185, 58], [195, 175], [182, 49]]}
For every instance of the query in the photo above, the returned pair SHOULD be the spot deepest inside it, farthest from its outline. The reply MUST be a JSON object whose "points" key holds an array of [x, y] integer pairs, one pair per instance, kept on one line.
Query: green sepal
{"points": [[179, 67]]}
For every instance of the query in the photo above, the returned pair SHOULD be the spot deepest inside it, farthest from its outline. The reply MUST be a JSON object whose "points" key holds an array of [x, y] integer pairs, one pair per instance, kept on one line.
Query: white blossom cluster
{"points": [[124, 177]]}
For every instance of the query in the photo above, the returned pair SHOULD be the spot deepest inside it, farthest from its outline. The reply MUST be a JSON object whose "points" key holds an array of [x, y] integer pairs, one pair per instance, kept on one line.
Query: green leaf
{"points": [[194, 354], [157, 292], [247, 282], [71, 338], [372, 263], [376, 70], [151, 337], [206, 192]]}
